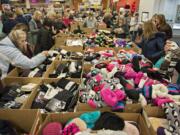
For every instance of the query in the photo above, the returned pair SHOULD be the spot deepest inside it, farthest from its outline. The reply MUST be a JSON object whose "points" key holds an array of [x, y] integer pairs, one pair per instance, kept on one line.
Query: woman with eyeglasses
{"points": [[12, 52]]}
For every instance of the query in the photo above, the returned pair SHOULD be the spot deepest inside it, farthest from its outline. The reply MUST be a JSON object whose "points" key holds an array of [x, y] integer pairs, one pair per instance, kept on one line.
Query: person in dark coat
{"points": [[152, 43], [45, 37], [19, 16], [10, 23]]}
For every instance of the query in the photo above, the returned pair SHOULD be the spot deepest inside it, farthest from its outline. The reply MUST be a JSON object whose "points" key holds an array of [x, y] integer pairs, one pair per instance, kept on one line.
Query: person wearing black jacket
{"points": [[45, 37], [10, 23], [152, 43], [20, 18]]}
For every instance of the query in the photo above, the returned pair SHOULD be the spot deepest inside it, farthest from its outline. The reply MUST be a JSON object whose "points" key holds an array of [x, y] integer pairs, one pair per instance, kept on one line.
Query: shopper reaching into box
{"points": [[12, 49]]}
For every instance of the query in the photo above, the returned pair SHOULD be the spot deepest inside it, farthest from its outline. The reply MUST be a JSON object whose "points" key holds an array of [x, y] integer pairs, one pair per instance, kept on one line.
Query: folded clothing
{"points": [[15, 95], [37, 71], [57, 97], [71, 69], [60, 102]]}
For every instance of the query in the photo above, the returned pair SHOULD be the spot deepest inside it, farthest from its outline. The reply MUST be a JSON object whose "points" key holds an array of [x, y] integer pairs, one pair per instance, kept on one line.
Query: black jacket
{"points": [[153, 48], [44, 40], [8, 25]]}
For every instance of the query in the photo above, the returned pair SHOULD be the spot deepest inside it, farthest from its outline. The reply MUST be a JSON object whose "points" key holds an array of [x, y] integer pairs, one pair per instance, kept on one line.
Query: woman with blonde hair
{"points": [[19, 16], [152, 43], [34, 26], [12, 49]]}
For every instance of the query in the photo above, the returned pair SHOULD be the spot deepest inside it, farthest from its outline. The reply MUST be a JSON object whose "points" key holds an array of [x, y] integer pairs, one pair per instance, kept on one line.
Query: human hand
{"points": [[45, 53]]}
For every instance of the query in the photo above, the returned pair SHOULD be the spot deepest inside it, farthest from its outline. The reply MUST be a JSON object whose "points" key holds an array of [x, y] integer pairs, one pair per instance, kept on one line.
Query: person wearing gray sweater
{"points": [[12, 50]]}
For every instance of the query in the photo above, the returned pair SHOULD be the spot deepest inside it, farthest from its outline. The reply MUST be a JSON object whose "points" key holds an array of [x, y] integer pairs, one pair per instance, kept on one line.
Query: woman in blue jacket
{"points": [[152, 43], [12, 50]]}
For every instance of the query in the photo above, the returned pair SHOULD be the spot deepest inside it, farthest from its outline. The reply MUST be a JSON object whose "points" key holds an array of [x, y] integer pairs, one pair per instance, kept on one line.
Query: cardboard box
{"points": [[87, 30], [22, 81], [68, 48], [16, 71], [55, 65], [129, 108], [24, 120], [35, 93], [65, 117], [152, 111]]}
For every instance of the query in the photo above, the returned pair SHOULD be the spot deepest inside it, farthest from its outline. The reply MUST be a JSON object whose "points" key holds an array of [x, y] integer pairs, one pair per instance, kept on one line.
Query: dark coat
{"points": [[153, 48], [21, 19], [167, 30], [8, 25], [44, 40]]}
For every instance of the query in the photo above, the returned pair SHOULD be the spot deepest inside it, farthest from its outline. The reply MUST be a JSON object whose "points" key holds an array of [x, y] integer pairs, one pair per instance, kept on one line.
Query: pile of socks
{"points": [[105, 39], [38, 71], [15, 96], [133, 79], [99, 39], [72, 69], [69, 55], [57, 97], [93, 57], [93, 123]]}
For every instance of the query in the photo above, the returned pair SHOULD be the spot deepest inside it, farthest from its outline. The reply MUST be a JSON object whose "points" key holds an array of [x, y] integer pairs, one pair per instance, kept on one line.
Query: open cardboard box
{"points": [[34, 94], [70, 49], [16, 71], [60, 41], [152, 111], [98, 49], [55, 65], [129, 108], [22, 81], [23, 120], [65, 117]]}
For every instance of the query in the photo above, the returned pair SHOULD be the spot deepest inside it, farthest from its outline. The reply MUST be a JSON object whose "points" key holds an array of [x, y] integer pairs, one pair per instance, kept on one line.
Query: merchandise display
{"points": [[93, 123], [106, 73], [15, 96], [56, 97]]}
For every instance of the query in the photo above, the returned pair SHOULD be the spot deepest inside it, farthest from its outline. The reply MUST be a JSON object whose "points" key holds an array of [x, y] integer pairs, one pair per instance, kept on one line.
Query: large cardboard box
{"points": [[23, 120], [65, 117], [22, 81], [69, 49], [152, 111], [45, 81], [129, 108], [16, 71], [55, 65]]}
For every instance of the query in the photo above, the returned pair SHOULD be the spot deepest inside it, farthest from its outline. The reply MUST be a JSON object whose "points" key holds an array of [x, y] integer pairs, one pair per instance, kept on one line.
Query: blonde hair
{"points": [[149, 30], [162, 19], [15, 36], [37, 14], [51, 14], [19, 11]]}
